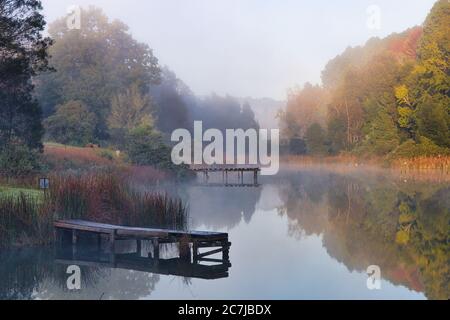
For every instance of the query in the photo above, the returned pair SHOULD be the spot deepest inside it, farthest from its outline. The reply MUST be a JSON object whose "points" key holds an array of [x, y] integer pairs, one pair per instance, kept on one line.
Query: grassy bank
{"points": [[26, 215]]}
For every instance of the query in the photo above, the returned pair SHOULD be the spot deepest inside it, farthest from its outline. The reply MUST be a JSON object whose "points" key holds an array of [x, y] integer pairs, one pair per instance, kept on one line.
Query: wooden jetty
{"points": [[69, 231], [226, 170]]}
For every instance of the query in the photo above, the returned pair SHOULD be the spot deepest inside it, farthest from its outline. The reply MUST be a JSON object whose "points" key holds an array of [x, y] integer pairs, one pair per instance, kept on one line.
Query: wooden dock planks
{"points": [[124, 232]]}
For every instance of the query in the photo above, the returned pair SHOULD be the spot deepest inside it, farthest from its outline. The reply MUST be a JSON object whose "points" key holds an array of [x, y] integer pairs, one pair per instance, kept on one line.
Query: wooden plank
{"points": [[207, 244], [83, 227], [222, 261], [134, 232], [141, 233], [208, 253]]}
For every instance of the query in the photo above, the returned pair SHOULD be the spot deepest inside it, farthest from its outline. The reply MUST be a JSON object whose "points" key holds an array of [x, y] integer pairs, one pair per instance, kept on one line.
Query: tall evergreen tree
{"points": [[23, 53]]}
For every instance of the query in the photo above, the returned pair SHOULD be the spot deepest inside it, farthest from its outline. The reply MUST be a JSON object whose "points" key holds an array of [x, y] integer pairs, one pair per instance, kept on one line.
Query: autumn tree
{"points": [[129, 110], [304, 107]]}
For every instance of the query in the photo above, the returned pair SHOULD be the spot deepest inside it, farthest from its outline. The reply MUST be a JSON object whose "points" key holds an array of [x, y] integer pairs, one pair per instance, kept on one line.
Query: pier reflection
{"points": [[171, 261]]}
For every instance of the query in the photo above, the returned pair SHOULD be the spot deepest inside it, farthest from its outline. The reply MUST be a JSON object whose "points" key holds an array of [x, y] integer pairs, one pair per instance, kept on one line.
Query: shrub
{"points": [[107, 154], [18, 160]]}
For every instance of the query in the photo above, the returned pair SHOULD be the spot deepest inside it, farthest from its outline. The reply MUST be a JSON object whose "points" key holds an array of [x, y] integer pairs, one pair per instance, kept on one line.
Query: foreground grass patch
{"points": [[9, 191]]}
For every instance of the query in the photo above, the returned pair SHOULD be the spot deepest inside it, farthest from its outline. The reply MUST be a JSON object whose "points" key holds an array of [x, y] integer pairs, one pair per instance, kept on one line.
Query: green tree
{"points": [[94, 64], [337, 133], [145, 146], [382, 137], [316, 140], [434, 50], [72, 123], [434, 121]]}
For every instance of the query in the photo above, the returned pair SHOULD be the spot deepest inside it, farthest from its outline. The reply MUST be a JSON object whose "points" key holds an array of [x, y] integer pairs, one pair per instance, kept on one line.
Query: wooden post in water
{"points": [[112, 241], [74, 237], [155, 248], [138, 246], [195, 251]]}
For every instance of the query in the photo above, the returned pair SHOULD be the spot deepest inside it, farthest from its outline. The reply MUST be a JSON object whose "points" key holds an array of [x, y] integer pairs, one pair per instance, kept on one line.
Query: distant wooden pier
{"points": [[69, 231], [226, 170]]}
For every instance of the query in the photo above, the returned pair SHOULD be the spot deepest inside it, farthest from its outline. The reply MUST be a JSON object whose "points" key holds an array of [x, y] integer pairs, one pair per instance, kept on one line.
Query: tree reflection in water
{"points": [[402, 227]]}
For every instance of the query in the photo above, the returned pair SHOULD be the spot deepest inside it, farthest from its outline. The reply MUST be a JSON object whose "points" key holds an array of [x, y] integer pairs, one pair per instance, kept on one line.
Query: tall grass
{"points": [[104, 197], [24, 220], [109, 198]]}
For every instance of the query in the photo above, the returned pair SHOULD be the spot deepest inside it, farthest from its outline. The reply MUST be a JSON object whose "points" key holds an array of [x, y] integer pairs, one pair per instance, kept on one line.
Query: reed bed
{"points": [[110, 198], [24, 220], [441, 163], [101, 197]]}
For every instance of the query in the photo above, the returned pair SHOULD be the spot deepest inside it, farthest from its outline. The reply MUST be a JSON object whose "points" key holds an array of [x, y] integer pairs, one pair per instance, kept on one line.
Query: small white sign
{"points": [[44, 183]]}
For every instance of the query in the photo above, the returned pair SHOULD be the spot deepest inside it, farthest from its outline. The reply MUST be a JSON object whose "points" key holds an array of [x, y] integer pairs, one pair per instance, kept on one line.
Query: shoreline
{"points": [[433, 169]]}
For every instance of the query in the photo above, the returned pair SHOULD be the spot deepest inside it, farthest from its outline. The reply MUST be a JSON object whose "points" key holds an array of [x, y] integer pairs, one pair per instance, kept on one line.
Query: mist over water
{"points": [[303, 234]]}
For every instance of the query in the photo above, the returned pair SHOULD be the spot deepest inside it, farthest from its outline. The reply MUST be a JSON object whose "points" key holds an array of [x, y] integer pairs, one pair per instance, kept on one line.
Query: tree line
{"points": [[96, 84], [390, 97]]}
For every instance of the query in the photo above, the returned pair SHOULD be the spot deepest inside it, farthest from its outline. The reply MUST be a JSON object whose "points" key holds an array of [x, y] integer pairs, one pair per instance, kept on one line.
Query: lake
{"points": [[303, 234]]}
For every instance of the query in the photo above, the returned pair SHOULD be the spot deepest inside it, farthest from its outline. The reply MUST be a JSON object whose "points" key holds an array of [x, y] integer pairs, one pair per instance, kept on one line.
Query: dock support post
{"points": [[255, 177], [112, 241], [155, 248], [185, 251], [74, 237], [138, 247], [112, 244], [226, 251], [195, 251], [74, 244]]}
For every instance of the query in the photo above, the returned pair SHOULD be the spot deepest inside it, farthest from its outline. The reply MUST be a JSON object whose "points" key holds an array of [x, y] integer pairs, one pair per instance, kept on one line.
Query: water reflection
{"points": [[143, 261], [222, 208], [33, 274], [402, 227], [303, 234]]}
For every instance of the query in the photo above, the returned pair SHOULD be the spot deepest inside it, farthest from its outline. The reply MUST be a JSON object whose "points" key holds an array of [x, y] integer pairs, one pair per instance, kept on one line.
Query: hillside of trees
{"points": [[390, 97], [95, 85], [98, 85]]}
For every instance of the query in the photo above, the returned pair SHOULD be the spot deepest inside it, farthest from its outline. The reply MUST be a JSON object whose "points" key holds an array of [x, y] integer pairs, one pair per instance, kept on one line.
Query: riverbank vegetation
{"points": [[27, 215]]}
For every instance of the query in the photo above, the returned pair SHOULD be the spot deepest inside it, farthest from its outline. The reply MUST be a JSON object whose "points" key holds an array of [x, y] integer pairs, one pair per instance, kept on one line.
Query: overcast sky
{"points": [[257, 48]]}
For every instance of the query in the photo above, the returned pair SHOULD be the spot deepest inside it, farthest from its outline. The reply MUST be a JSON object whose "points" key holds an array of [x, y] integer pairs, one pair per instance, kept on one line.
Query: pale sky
{"points": [[257, 48]]}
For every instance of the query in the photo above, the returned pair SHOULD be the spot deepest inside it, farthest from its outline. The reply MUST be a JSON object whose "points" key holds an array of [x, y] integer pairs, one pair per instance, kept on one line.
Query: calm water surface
{"points": [[301, 235]]}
